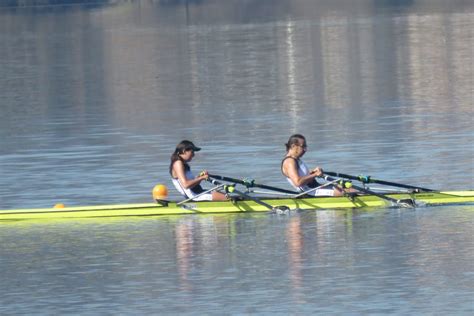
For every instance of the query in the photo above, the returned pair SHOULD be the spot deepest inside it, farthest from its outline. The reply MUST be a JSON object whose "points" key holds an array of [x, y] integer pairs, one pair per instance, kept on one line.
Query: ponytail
{"points": [[174, 157]]}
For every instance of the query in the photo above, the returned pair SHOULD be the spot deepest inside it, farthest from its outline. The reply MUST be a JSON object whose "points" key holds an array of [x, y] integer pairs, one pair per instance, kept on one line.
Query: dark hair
{"points": [[180, 149], [294, 139]]}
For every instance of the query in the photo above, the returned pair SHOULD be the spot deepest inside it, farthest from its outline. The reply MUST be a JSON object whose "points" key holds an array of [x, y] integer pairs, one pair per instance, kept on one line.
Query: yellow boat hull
{"points": [[172, 208]]}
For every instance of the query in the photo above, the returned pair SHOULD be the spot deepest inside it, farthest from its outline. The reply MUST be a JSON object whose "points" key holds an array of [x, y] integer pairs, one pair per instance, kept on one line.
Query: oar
{"points": [[368, 179], [409, 203], [231, 189], [202, 193], [251, 184]]}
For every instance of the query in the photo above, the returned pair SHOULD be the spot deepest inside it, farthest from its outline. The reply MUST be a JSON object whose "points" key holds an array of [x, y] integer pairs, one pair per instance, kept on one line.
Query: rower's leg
{"points": [[338, 191], [218, 196]]}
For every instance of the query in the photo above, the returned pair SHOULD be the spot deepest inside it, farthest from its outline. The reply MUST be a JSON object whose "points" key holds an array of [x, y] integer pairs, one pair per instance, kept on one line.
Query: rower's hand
{"points": [[204, 175], [317, 172]]}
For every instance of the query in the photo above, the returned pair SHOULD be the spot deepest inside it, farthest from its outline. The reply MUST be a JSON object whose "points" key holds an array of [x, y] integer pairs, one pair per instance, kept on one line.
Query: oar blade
{"points": [[281, 209], [406, 203]]}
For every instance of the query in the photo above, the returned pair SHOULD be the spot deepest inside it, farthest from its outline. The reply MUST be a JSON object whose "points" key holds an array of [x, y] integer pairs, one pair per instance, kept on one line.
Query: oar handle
{"points": [[368, 179]]}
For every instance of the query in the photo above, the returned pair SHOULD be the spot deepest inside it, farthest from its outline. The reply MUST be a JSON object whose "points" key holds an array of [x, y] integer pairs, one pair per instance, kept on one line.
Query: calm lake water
{"points": [[95, 96]]}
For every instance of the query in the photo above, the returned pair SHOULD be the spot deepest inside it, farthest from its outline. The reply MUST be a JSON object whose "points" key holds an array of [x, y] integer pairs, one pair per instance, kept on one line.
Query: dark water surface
{"points": [[95, 95]]}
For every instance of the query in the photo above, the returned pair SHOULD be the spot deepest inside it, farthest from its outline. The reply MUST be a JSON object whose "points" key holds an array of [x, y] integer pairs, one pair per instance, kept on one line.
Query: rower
{"points": [[184, 180], [299, 175]]}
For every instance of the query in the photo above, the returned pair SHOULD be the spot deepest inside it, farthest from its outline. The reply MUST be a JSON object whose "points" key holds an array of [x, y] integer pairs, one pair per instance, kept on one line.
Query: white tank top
{"points": [[189, 193], [186, 192], [303, 170]]}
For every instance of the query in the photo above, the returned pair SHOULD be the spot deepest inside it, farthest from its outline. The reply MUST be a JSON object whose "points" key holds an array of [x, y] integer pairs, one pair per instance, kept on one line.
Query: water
{"points": [[380, 261], [95, 96]]}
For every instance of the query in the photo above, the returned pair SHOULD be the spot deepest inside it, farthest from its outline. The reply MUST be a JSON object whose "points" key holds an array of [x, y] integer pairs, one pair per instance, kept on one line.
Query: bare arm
{"points": [[290, 169], [180, 173]]}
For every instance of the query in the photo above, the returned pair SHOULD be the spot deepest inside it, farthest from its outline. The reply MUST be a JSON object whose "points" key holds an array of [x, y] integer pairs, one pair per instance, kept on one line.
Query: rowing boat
{"points": [[237, 205]]}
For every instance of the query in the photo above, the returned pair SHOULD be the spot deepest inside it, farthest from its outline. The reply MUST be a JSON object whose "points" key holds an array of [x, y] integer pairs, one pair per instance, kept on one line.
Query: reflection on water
{"points": [[404, 261], [184, 242], [294, 237]]}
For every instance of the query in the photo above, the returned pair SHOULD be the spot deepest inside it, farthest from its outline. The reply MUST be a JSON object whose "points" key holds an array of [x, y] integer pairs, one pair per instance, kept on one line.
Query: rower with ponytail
{"points": [[182, 177]]}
